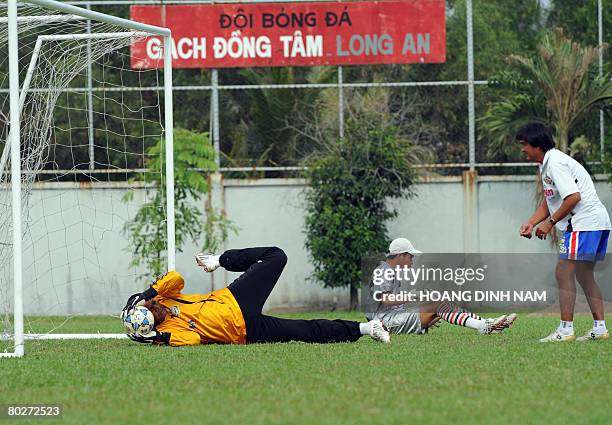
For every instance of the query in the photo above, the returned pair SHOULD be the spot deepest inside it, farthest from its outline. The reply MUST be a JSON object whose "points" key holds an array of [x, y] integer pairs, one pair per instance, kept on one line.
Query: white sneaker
{"points": [[208, 262], [494, 326], [557, 336], [510, 320], [592, 336], [378, 331]]}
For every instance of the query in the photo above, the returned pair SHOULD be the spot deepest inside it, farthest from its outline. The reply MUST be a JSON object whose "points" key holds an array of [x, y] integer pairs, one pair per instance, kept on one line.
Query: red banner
{"points": [[295, 34]]}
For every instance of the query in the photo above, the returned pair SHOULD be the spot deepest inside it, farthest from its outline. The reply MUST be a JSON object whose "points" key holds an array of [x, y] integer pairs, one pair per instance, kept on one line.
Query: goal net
{"points": [[95, 140]]}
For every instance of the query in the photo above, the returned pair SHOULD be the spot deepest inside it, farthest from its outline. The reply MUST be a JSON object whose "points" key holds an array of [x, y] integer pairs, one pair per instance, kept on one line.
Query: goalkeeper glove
{"points": [[152, 337], [138, 300]]}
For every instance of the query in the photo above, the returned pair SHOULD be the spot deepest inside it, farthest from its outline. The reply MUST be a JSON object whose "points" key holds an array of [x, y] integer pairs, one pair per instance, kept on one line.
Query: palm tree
{"points": [[269, 127], [560, 86]]}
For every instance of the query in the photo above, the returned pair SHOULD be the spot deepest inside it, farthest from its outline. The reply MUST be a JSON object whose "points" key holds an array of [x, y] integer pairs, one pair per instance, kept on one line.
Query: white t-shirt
{"points": [[562, 175]]}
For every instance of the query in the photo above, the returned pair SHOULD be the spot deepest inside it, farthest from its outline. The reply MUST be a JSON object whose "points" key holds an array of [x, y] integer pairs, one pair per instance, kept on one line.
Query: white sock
{"points": [[599, 326], [566, 327], [215, 258], [365, 328], [478, 324], [455, 316]]}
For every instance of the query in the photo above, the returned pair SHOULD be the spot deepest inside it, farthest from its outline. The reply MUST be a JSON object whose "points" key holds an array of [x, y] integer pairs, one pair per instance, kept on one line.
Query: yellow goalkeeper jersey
{"points": [[198, 319]]}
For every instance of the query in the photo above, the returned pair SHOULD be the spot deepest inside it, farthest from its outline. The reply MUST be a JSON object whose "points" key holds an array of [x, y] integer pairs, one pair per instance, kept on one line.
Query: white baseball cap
{"points": [[402, 245]]}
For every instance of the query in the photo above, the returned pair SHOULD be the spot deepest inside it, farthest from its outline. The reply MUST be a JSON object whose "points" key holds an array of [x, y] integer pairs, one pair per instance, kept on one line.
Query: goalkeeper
{"points": [[233, 315]]}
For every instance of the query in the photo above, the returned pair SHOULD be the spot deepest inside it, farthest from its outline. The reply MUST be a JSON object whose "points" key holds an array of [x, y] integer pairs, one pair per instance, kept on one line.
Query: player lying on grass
{"points": [[233, 315], [399, 317]]}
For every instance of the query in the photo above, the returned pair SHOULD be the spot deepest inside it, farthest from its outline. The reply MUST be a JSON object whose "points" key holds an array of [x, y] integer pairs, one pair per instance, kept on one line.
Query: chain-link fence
{"points": [[267, 121]]}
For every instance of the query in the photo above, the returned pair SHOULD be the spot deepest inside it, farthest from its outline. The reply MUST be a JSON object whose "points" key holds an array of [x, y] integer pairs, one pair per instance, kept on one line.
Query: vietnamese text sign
{"points": [[295, 34]]}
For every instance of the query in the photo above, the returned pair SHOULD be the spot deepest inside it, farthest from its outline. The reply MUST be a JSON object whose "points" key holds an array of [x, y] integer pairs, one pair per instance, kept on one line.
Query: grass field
{"points": [[451, 375]]}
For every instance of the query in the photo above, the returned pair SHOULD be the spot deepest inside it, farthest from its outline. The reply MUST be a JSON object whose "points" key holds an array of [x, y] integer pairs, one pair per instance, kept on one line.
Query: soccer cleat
{"points": [[557, 336], [593, 336], [378, 331], [494, 325], [208, 262], [510, 320]]}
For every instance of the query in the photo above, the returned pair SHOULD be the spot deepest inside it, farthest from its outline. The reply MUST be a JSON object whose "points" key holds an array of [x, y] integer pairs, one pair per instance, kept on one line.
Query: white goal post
{"points": [[13, 149]]}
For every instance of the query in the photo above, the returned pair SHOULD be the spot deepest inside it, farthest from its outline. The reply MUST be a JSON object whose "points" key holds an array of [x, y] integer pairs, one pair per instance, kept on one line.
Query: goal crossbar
{"points": [[100, 17]]}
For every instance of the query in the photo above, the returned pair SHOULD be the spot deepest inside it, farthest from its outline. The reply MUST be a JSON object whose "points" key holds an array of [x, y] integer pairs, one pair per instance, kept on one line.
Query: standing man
{"points": [[570, 203]]}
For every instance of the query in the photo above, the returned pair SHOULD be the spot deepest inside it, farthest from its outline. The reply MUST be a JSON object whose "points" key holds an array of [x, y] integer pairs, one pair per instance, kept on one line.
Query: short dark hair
{"points": [[537, 135]]}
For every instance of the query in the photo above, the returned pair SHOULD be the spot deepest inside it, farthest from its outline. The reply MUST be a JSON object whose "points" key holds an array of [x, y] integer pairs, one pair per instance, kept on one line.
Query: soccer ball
{"points": [[140, 322]]}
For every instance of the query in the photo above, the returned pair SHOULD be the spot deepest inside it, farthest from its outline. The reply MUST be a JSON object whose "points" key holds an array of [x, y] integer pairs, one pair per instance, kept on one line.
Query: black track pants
{"points": [[262, 267]]}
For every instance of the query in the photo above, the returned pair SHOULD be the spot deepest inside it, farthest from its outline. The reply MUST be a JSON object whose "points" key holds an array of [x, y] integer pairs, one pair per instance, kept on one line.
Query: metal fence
{"points": [[215, 90]]}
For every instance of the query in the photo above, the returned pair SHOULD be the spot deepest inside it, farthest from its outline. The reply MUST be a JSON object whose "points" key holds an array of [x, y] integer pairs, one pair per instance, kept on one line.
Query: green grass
{"points": [[452, 375]]}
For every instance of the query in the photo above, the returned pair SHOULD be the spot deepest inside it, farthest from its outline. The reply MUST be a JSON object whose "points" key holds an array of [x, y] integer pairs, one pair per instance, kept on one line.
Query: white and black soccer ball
{"points": [[139, 322]]}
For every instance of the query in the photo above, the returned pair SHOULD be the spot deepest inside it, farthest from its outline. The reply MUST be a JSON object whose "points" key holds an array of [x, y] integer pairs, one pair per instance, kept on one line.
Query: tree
{"points": [[194, 160], [559, 86], [500, 28], [265, 123], [351, 181], [579, 19], [579, 22]]}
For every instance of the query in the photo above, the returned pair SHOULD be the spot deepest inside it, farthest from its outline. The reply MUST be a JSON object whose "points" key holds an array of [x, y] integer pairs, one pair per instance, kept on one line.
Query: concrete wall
{"points": [[86, 268]]}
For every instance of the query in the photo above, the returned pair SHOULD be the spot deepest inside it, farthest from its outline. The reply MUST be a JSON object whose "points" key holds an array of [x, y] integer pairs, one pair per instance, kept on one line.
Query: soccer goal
{"points": [[86, 139]]}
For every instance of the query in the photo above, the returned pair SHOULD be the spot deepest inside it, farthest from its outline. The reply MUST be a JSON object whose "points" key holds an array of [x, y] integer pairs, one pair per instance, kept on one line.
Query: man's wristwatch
{"points": [[552, 220]]}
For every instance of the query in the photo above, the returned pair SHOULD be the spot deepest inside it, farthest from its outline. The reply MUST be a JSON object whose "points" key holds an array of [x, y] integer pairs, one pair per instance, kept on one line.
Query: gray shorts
{"points": [[403, 321]]}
